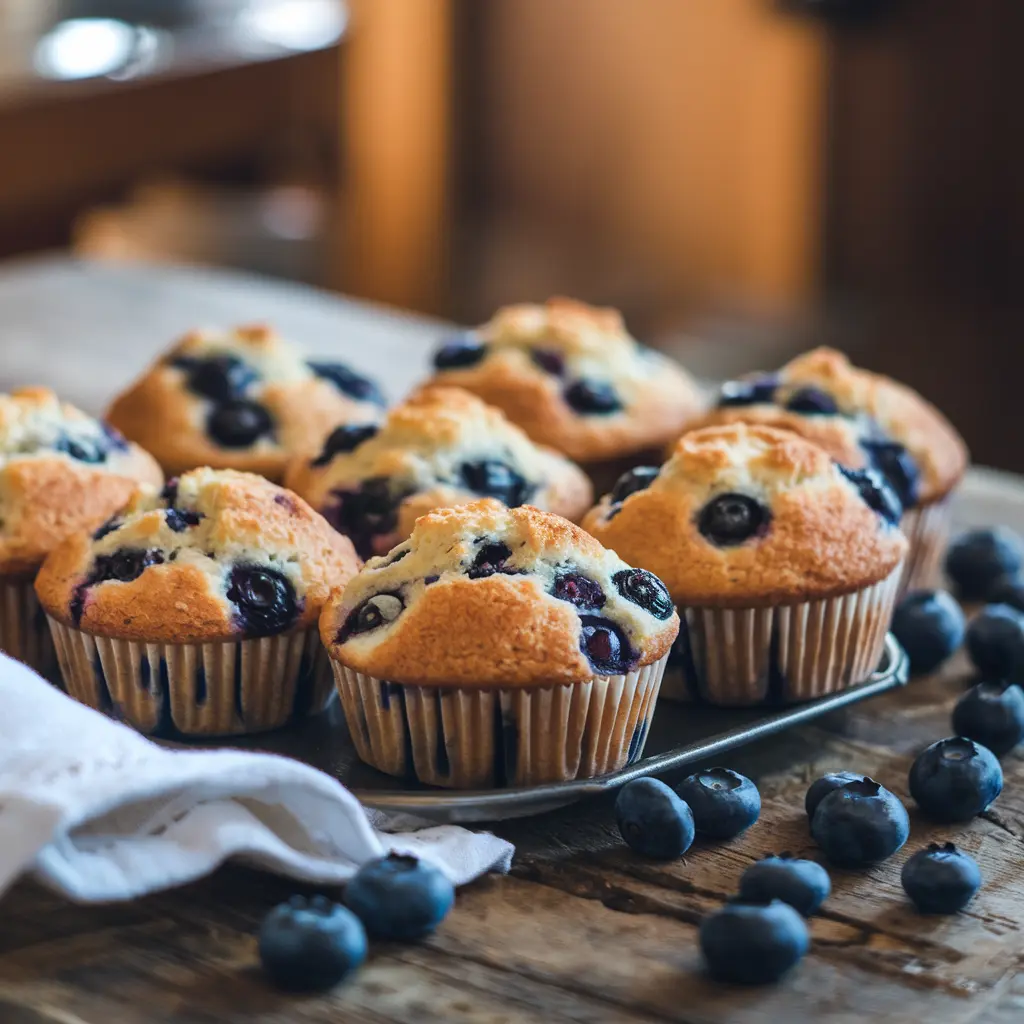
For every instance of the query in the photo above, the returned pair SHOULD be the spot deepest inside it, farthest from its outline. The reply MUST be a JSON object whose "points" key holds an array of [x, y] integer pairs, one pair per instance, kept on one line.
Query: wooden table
{"points": [[580, 931]]}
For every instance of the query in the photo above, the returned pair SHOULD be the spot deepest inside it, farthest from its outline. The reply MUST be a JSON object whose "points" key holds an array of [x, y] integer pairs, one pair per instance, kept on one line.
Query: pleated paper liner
{"points": [[780, 655], [176, 691], [927, 528], [475, 738], [24, 633]]}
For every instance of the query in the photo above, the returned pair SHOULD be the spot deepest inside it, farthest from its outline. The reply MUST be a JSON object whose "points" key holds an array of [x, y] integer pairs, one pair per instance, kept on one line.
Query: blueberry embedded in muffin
{"points": [[442, 447], [241, 399]]}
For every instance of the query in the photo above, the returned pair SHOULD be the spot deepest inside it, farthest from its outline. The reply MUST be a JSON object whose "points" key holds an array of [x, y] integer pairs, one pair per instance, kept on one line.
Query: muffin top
{"points": [[572, 377], [861, 419], [442, 447], [216, 555], [60, 471], [746, 515], [240, 399], [484, 595]]}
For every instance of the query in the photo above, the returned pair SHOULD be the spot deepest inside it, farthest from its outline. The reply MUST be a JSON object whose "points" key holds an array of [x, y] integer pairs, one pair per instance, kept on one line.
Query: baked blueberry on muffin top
{"points": [[241, 399], [440, 448]]}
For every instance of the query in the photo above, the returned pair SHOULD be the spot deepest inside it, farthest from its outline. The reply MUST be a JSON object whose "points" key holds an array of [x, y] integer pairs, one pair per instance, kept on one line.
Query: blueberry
{"points": [[820, 788], [897, 465], [876, 493], [643, 588], [724, 803], [92, 450], [753, 391], [220, 377], [309, 945], [348, 382], [653, 820], [955, 779], [803, 884], [812, 402], [859, 824], [753, 944], [179, 520], [930, 626], [112, 524], [372, 613], [492, 478], [606, 646], [549, 360], [462, 350], [578, 590], [169, 493], [365, 513], [594, 397], [490, 559], [731, 519], [991, 714], [940, 879], [399, 897], [995, 643], [238, 423], [264, 599], [633, 480], [115, 439], [1008, 590], [979, 558], [124, 566], [345, 438]]}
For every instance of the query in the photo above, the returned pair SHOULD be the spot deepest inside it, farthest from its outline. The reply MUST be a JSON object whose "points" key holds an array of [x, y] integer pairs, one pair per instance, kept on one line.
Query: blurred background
{"points": [[744, 178]]}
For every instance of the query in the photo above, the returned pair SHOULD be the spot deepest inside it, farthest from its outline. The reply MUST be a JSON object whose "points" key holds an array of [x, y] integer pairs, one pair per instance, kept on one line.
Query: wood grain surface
{"points": [[581, 930]]}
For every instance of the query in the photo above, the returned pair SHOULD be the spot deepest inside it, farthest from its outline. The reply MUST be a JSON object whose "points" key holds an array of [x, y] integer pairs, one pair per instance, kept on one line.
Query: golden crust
{"points": [[242, 519], [658, 397], [503, 630], [823, 540]]}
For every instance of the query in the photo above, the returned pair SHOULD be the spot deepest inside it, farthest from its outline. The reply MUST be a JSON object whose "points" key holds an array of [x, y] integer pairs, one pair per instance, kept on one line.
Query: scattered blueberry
{"points": [[365, 513], [731, 519], [264, 598], [606, 646], [633, 480], [578, 590], [375, 611], [897, 465], [1008, 590], [979, 558], [595, 397], [653, 820], [876, 493], [753, 391], [112, 524], [991, 714], [929, 624], [93, 450], [238, 423], [803, 884], [219, 377], [940, 879], [348, 382], [399, 897], [549, 360], [643, 588], [753, 944], [114, 437], [179, 520], [724, 803], [490, 559], [812, 402], [309, 945], [859, 824], [170, 491], [493, 478], [995, 643], [820, 788], [345, 438], [955, 779], [124, 566], [463, 350]]}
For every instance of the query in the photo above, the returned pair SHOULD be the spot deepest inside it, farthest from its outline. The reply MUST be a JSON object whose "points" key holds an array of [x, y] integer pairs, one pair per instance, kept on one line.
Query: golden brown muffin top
{"points": [[60, 471], [487, 596], [217, 555], [746, 515], [573, 378]]}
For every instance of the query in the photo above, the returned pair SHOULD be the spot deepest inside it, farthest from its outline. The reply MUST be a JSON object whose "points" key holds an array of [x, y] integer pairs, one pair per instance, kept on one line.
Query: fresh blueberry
{"points": [[264, 599], [753, 944], [238, 423], [462, 350], [897, 465], [593, 397], [345, 438], [93, 450], [309, 945], [820, 788], [399, 897], [493, 478], [348, 382], [633, 480], [995, 643], [991, 714], [859, 824], [365, 513], [490, 559], [940, 879], [812, 402], [724, 803], [955, 779], [752, 391], [549, 360], [372, 613], [876, 493], [1008, 590], [606, 646], [731, 519], [978, 558], [653, 820], [646, 590], [929, 625], [578, 590], [220, 377], [803, 884]]}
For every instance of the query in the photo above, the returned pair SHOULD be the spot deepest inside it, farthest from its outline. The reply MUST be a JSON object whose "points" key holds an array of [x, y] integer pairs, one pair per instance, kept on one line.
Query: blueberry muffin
{"points": [[60, 472], [573, 378], [784, 565], [442, 447], [194, 611], [240, 399], [864, 420], [499, 647]]}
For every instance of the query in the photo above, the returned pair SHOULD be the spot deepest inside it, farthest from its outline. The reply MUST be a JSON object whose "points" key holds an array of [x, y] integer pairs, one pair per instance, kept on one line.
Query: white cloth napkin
{"points": [[98, 812]]}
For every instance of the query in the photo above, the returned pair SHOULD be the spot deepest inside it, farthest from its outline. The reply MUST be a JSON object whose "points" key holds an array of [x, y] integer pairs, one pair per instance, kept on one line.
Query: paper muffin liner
{"points": [[23, 631], [483, 738], [736, 657], [175, 691], [927, 528]]}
